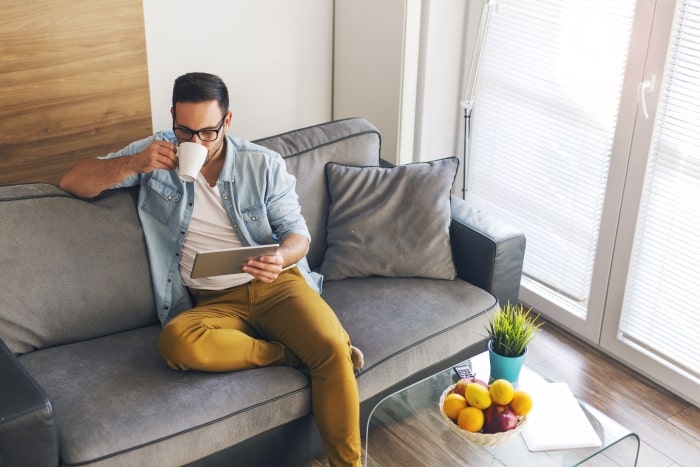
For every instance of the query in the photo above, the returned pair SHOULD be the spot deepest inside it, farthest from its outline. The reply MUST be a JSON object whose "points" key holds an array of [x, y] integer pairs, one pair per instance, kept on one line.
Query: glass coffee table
{"points": [[407, 429]]}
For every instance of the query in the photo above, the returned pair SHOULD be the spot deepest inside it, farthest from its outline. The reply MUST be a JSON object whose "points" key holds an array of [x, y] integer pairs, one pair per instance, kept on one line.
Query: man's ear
{"points": [[172, 112]]}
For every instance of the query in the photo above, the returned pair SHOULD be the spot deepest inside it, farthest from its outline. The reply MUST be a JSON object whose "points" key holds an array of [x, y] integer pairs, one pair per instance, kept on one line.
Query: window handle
{"points": [[645, 87]]}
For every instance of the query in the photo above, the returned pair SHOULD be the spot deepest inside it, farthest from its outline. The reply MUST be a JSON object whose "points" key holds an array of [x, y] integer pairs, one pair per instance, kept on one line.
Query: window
{"points": [[561, 147], [544, 122], [659, 312]]}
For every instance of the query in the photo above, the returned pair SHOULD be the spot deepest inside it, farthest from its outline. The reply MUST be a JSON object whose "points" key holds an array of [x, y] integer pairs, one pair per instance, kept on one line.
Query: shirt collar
{"points": [[227, 169]]}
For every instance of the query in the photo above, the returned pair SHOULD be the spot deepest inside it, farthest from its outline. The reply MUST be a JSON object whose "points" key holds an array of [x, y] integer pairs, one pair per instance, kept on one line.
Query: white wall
{"points": [[448, 37], [375, 74], [441, 80], [277, 58], [370, 66], [274, 55]]}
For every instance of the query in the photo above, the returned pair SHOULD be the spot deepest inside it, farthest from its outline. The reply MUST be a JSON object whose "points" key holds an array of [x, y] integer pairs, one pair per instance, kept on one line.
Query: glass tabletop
{"points": [[406, 428]]}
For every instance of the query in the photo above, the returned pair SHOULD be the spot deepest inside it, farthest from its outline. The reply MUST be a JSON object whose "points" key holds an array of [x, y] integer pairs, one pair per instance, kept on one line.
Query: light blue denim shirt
{"points": [[256, 190]]}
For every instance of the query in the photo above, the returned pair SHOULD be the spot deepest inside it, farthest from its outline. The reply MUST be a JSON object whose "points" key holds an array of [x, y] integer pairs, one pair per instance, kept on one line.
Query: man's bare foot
{"points": [[357, 357]]}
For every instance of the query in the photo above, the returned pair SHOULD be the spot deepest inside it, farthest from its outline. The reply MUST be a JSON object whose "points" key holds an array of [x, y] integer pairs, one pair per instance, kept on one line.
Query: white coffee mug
{"points": [[191, 157]]}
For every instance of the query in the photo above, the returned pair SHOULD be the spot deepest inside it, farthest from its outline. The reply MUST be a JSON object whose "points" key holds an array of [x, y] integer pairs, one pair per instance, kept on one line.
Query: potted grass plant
{"points": [[510, 331]]}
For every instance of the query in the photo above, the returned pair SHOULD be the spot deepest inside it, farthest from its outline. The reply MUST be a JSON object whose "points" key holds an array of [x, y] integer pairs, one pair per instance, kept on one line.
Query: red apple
{"points": [[483, 383], [461, 385], [499, 418]]}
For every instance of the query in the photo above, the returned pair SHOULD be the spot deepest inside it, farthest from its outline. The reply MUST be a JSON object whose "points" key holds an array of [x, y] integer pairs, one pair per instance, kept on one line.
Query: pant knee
{"points": [[330, 351], [174, 346]]}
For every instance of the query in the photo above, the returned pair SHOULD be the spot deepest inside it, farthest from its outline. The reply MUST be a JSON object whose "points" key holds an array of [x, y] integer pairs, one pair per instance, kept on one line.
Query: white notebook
{"points": [[557, 421]]}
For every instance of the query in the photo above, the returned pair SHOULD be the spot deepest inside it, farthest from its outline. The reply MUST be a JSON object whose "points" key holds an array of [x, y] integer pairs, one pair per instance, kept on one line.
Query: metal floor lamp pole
{"points": [[469, 91]]}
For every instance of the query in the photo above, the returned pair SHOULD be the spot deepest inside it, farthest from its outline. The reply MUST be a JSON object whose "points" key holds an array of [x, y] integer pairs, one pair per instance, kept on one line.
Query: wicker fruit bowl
{"points": [[483, 439]]}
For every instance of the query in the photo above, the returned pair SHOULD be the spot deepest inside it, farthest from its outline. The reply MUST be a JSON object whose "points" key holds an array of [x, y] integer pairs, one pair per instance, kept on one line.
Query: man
{"points": [[270, 315]]}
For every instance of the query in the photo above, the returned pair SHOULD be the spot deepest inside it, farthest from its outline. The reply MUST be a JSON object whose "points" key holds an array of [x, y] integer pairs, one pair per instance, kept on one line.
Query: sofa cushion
{"points": [[79, 270], [392, 222], [404, 325], [116, 401], [352, 141]]}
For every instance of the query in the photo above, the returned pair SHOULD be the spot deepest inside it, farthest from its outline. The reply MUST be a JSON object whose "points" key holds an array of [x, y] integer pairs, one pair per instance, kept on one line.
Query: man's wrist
{"points": [[129, 166]]}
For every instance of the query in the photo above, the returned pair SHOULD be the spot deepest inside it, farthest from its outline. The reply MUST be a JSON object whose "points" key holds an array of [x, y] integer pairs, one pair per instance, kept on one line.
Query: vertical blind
{"points": [[660, 305], [543, 124]]}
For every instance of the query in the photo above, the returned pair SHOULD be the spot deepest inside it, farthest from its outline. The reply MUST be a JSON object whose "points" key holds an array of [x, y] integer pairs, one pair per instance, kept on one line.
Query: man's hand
{"points": [[265, 268], [158, 155]]}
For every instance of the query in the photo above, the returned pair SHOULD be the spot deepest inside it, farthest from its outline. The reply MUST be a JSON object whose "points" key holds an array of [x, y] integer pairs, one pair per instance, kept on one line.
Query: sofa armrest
{"points": [[27, 428], [487, 252]]}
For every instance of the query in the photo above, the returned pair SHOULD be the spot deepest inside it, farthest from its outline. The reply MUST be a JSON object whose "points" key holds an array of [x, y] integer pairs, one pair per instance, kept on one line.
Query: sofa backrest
{"points": [[352, 141], [60, 280], [72, 270]]}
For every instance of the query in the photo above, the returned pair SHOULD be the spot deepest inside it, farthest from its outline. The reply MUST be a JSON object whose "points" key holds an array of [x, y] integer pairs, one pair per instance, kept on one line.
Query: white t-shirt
{"points": [[210, 229]]}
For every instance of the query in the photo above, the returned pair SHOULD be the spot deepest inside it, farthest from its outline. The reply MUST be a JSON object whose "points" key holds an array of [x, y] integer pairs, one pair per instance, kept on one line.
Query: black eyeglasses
{"points": [[207, 135]]}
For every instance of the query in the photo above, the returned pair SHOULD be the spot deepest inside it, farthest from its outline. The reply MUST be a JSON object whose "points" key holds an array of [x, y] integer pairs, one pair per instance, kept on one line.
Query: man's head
{"points": [[200, 111], [200, 87]]}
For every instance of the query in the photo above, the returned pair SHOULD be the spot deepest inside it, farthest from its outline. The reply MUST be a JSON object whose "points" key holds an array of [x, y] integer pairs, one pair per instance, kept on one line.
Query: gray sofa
{"points": [[81, 380]]}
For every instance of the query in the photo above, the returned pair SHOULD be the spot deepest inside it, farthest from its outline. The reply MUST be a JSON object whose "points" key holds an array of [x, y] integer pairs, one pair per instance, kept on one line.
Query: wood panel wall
{"points": [[73, 84]]}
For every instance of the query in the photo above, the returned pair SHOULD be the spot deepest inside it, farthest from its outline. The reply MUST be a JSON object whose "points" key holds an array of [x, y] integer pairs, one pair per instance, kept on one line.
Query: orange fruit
{"points": [[471, 419], [477, 396], [521, 403], [453, 404], [501, 391]]}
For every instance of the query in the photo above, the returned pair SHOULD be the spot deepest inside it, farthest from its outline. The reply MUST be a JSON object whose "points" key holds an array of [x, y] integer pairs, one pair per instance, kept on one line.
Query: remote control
{"points": [[464, 370]]}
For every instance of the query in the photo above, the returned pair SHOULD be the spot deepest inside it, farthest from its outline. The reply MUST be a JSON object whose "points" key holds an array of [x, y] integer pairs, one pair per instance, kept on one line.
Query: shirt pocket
{"points": [[255, 218], [161, 200]]}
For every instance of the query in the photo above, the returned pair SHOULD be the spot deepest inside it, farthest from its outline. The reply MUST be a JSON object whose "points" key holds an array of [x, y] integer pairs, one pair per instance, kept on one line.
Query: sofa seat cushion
{"points": [[117, 403], [387, 319]]}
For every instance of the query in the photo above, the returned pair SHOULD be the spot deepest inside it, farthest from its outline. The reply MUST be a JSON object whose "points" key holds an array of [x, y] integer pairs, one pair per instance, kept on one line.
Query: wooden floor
{"points": [[668, 426]]}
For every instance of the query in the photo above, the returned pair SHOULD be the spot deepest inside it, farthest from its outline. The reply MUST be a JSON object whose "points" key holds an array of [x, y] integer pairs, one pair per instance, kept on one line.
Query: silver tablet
{"points": [[229, 261]]}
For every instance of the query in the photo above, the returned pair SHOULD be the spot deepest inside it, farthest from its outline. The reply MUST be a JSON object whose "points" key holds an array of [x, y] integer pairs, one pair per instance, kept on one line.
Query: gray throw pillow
{"points": [[392, 222]]}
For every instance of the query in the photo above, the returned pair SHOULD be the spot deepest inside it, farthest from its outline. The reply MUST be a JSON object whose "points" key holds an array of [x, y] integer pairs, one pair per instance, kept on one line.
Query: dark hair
{"points": [[200, 87]]}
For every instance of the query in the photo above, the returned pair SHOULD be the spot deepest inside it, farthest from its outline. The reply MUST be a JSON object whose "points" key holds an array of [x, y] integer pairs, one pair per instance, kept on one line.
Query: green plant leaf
{"points": [[511, 329]]}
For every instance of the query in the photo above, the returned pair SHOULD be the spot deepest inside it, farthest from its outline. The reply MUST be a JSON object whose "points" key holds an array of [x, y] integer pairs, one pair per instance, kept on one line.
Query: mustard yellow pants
{"points": [[283, 323]]}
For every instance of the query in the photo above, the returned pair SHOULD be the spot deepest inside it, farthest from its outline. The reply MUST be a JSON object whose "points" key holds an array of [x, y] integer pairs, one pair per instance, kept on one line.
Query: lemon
{"points": [[478, 396], [471, 419], [501, 391], [521, 403], [453, 404]]}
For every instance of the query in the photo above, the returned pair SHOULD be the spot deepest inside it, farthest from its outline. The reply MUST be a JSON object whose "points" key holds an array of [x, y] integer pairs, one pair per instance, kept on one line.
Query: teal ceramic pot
{"points": [[505, 367]]}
